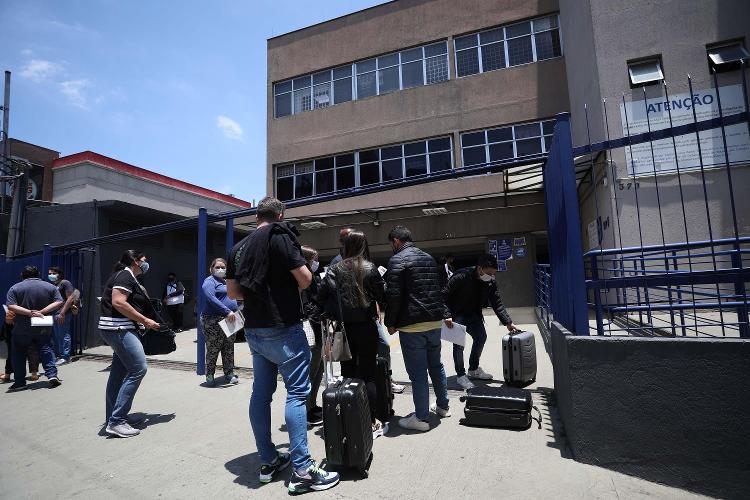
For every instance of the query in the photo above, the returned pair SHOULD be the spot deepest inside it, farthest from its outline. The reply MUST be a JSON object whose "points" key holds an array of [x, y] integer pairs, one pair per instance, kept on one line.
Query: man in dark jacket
{"points": [[466, 293], [415, 307]]}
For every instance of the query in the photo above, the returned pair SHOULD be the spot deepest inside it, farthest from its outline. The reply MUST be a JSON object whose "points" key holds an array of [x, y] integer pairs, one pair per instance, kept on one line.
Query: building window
{"points": [[506, 46], [727, 56], [377, 76], [645, 72], [506, 143], [385, 165]]}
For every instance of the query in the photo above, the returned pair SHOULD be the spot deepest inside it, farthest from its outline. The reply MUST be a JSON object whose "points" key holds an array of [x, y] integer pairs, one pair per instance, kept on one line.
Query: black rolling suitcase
{"points": [[507, 407], [347, 429], [519, 358], [384, 409]]}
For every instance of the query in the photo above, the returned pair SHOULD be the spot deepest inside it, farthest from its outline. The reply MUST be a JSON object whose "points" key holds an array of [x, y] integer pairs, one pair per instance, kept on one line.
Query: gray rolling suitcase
{"points": [[519, 358]]}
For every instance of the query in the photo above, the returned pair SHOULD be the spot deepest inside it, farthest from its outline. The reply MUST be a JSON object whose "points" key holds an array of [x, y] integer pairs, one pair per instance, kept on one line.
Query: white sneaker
{"points": [[121, 430], [61, 361], [479, 374], [413, 423], [441, 412], [464, 382], [397, 388]]}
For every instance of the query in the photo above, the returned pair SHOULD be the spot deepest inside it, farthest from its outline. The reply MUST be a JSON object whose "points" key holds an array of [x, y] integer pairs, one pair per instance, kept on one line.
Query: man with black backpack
{"points": [[267, 270]]}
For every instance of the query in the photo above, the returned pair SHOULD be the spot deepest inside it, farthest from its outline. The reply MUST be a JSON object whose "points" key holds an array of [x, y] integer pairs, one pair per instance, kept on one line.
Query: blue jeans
{"points": [[422, 356], [384, 343], [280, 350], [125, 375], [20, 348], [62, 336], [475, 328]]}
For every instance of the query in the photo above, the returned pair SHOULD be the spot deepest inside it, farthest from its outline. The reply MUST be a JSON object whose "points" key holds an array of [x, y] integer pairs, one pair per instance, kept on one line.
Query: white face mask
{"points": [[314, 265], [486, 278], [220, 273]]}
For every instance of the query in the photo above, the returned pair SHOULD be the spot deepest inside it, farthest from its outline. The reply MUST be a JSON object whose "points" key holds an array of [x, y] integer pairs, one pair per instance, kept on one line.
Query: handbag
{"points": [[339, 345], [161, 341]]}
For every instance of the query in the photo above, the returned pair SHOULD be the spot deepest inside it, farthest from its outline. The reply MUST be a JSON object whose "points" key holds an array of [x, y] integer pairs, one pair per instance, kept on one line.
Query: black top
{"points": [[466, 294], [278, 303], [413, 293], [112, 319], [355, 308], [66, 288]]}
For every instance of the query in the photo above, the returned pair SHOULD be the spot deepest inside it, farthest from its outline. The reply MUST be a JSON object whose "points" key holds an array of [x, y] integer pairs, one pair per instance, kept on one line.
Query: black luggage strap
{"points": [[539, 418]]}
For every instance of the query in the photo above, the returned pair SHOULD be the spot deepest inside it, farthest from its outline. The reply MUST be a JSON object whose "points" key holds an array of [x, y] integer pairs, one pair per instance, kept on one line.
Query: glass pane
{"points": [[467, 62], [366, 85], [440, 144], [547, 142], [303, 186], [545, 23], [368, 156], [519, 51], [322, 77], [344, 178], [303, 168], [518, 29], [491, 36], [548, 126], [365, 66], [493, 56], [472, 139], [415, 148], [500, 134], [324, 182], [342, 90], [322, 95], [343, 160], [728, 54], [529, 130], [436, 69], [412, 75], [342, 72], [440, 161], [369, 174], [285, 171], [301, 82], [547, 45], [474, 156], [528, 147], [283, 104], [435, 49], [416, 165], [285, 188], [280, 88], [302, 100], [390, 152], [323, 163], [648, 71], [411, 55], [388, 80], [392, 170], [387, 61], [502, 151], [465, 42]]}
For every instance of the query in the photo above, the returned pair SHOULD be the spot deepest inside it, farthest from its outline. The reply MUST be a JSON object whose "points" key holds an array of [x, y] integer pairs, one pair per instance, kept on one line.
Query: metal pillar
{"points": [[229, 235], [202, 233], [6, 141], [46, 259]]}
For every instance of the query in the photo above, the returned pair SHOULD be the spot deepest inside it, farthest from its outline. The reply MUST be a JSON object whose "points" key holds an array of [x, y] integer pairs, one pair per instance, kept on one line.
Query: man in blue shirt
{"points": [[32, 298]]}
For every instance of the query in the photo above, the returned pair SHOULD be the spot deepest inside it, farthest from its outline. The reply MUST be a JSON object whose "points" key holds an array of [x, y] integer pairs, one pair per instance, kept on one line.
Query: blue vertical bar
{"points": [[229, 235], [46, 259], [202, 233], [597, 301], [741, 296]]}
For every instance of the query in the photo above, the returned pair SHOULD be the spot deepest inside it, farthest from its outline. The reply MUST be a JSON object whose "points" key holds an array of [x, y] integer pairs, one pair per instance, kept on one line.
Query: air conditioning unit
{"points": [[434, 211], [313, 225]]}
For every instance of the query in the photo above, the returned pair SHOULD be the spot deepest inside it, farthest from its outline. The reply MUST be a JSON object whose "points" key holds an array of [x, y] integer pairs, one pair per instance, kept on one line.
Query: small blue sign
{"points": [[502, 266], [504, 250], [520, 251]]}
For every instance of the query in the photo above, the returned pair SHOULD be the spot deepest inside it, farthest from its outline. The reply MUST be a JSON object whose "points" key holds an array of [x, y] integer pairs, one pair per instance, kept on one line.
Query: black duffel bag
{"points": [[161, 341]]}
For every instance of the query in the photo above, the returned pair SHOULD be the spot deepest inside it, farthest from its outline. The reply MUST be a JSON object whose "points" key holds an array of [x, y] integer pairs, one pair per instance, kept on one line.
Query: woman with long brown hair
{"points": [[361, 288]]}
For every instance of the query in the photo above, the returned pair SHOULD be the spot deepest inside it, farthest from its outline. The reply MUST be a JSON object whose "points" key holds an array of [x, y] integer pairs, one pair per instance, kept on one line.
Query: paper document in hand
{"points": [[455, 335], [45, 321], [382, 270], [231, 327], [173, 301]]}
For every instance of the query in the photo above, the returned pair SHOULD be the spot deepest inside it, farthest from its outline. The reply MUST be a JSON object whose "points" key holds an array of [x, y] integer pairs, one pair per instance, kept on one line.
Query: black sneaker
{"points": [[315, 416], [316, 479], [16, 387], [54, 382], [268, 471]]}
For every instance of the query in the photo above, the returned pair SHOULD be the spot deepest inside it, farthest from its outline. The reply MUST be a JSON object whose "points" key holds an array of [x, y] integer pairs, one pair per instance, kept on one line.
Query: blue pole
{"points": [[46, 259], [202, 232], [230, 235]]}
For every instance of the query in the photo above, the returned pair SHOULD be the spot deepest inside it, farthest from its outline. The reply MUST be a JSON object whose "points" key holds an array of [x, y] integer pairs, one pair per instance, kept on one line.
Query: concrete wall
{"points": [[671, 410], [86, 181]]}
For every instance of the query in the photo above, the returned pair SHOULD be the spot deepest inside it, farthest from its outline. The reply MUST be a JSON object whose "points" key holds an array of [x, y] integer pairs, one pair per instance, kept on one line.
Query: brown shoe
{"points": [[5, 377], [34, 376]]}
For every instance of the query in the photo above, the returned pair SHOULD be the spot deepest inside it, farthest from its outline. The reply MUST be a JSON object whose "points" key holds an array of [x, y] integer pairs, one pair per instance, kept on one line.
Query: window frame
{"points": [[643, 61], [732, 65], [541, 137]]}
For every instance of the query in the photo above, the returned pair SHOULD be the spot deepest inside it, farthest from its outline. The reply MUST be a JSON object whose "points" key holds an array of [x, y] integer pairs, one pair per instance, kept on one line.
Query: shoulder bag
{"points": [[340, 345]]}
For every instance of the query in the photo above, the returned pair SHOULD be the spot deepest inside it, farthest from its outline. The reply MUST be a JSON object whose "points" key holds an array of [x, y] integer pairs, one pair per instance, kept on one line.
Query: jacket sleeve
{"points": [[376, 287], [394, 289], [325, 290], [497, 304], [209, 293], [451, 291]]}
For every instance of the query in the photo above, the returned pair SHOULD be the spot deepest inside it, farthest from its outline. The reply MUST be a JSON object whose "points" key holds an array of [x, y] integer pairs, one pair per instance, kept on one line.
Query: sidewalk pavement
{"points": [[196, 443]]}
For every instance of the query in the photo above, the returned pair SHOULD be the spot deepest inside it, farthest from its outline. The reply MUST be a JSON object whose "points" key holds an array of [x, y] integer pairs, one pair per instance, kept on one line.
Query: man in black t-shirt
{"points": [[268, 271]]}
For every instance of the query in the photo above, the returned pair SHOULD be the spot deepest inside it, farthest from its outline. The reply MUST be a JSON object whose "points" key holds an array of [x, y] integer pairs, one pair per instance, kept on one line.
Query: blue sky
{"points": [[177, 87]]}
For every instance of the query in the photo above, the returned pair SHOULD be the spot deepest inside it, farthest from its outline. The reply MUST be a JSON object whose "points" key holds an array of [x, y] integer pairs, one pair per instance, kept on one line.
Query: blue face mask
{"points": [[52, 277], [144, 266]]}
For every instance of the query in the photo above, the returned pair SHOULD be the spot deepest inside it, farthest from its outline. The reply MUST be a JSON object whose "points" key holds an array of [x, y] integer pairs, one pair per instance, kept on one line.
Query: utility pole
{"points": [[6, 141]]}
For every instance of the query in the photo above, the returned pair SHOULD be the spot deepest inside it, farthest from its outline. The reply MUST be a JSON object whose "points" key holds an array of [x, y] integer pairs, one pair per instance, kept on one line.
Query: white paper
{"points": [[455, 335], [45, 321], [382, 270], [173, 301], [231, 327]]}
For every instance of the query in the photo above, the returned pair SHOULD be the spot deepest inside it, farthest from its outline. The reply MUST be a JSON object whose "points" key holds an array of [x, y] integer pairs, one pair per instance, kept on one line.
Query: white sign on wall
{"points": [[656, 113]]}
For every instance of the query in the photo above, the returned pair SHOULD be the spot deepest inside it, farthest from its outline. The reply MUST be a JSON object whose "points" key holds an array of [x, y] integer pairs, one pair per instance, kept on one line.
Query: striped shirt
{"points": [[112, 319]]}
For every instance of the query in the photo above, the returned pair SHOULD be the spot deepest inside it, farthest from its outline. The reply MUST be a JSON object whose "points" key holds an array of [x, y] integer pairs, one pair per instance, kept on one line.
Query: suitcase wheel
{"points": [[364, 473]]}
